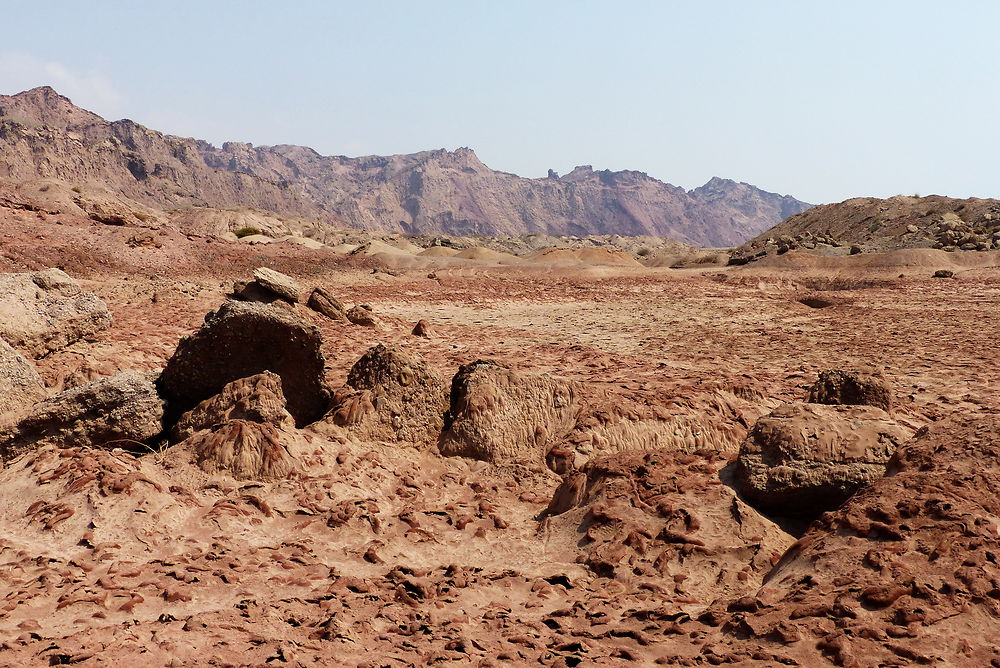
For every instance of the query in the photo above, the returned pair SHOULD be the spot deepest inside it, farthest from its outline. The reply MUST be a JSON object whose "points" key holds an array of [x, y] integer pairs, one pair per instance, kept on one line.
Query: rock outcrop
{"points": [[392, 395], [433, 192], [242, 339], [905, 573], [852, 387], [805, 459], [20, 385], [122, 410], [47, 310], [501, 415], [666, 517], [257, 398]]}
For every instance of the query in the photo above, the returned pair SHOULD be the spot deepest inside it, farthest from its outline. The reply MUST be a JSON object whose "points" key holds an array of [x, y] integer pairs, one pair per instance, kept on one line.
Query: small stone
{"points": [[278, 283]]}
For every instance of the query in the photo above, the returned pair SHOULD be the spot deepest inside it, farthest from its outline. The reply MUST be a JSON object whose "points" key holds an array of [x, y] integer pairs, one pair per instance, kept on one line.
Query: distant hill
{"points": [[42, 134], [875, 225]]}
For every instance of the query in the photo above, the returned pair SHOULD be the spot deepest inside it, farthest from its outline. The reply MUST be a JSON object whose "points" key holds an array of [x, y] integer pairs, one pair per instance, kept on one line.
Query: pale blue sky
{"points": [[821, 100]]}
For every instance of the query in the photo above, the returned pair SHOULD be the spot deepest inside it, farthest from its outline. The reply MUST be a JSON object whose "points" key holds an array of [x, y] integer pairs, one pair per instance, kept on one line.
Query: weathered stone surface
{"points": [[20, 385], [278, 283], [47, 310], [423, 329], [252, 291], [392, 395], [805, 459], [501, 415], [323, 302], [243, 339], [852, 387], [245, 450], [257, 398], [362, 315], [122, 408], [663, 517]]}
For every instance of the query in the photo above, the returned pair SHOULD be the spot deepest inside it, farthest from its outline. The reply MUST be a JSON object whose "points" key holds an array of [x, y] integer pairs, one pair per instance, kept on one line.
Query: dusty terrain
{"points": [[599, 525]]}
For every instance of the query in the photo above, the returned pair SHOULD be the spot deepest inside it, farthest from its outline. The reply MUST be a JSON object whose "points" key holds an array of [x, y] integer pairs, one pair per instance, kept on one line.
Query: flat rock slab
{"points": [[278, 283]]}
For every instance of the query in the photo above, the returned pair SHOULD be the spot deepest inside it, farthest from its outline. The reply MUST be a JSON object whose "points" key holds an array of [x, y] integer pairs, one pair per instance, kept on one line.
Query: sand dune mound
{"points": [[664, 516], [439, 251], [392, 395], [486, 255], [586, 256]]}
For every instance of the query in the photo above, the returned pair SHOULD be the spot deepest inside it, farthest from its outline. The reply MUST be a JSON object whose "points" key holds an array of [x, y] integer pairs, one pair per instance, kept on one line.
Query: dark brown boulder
{"points": [[323, 302], [852, 387], [423, 329], [243, 339]]}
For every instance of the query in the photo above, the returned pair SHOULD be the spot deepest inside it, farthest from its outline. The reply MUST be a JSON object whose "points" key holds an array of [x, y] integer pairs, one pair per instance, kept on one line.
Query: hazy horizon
{"points": [[821, 104]]}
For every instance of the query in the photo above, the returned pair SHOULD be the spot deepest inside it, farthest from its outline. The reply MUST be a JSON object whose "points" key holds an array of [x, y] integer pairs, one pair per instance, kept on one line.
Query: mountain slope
{"points": [[42, 134]]}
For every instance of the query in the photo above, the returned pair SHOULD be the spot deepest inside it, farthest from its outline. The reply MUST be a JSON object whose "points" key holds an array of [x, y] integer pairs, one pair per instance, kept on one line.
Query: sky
{"points": [[823, 100]]}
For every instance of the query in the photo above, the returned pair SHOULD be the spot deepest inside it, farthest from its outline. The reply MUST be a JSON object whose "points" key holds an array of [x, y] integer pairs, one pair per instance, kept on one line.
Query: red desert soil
{"points": [[378, 553]]}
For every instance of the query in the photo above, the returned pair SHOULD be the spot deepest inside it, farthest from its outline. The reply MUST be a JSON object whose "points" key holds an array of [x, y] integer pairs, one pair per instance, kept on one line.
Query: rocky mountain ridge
{"points": [[43, 135]]}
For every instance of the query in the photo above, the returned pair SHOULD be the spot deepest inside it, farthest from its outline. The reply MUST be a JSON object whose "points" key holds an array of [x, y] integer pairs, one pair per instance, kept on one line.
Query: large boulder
{"points": [[45, 311], [392, 395], [852, 387], [20, 385], [123, 409], [805, 459], [501, 415], [664, 518], [243, 339], [257, 398]]}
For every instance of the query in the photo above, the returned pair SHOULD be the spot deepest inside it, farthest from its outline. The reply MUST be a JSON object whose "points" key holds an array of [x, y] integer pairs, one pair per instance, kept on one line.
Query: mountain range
{"points": [[44, 135]]}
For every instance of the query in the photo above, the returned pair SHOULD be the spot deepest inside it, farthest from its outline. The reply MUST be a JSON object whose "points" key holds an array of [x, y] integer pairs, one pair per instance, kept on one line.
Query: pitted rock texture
{"points": [[243, 339], [662, 517], [905, 573], [256, 398], [392, 395], [122, 410], [805, 459], [45, 311], [852, 387]]}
